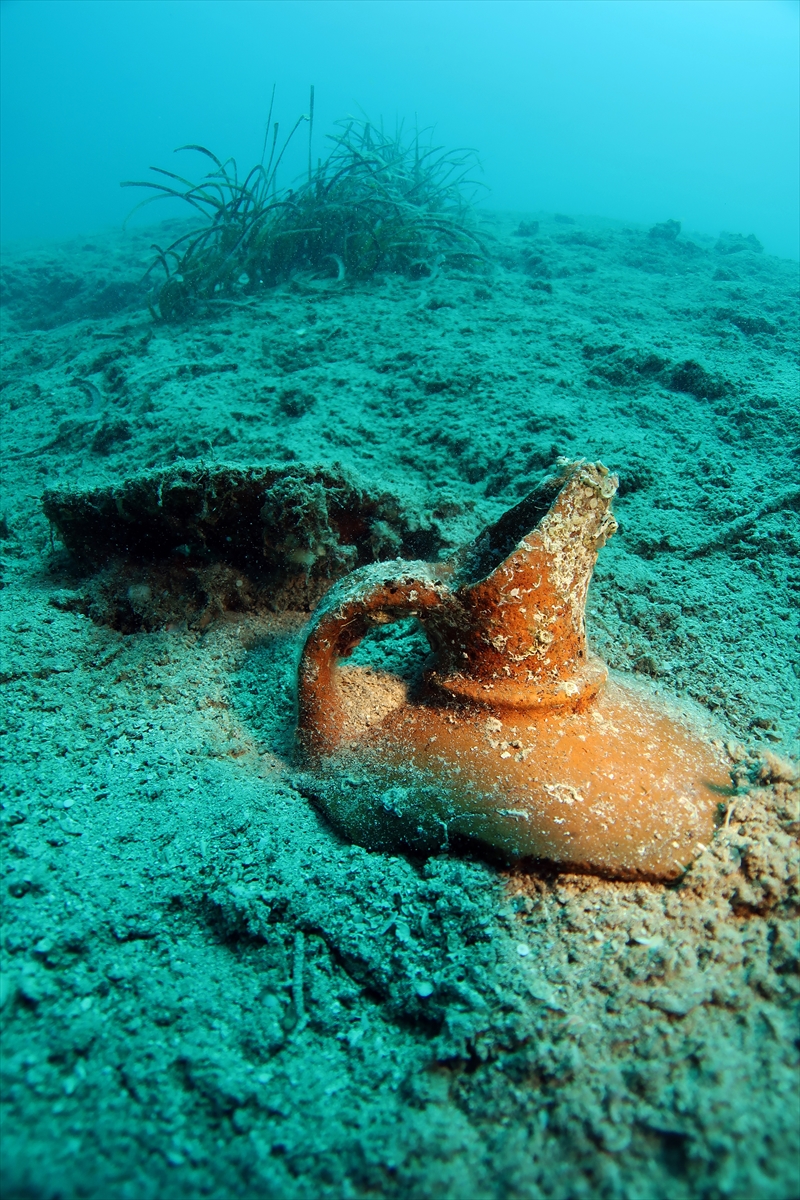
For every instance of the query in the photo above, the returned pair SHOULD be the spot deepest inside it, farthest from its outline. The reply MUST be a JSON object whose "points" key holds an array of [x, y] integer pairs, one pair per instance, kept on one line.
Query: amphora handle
{"points": [[391, 590]]}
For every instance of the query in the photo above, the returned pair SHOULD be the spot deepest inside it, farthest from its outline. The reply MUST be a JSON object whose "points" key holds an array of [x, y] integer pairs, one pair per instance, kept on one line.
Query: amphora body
{"points": [[516, 738]]}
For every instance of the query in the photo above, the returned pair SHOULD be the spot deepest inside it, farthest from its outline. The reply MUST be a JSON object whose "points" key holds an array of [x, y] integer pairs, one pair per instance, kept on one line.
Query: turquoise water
{"points": [[206, 989], [634, 111]]}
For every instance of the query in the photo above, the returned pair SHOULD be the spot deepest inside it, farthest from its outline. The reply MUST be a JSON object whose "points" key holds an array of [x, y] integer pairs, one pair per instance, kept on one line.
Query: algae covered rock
{"points": [[191, 542]]}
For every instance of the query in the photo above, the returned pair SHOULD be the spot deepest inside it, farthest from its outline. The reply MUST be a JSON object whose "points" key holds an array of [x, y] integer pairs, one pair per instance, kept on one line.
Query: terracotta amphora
{"points": [[516, 738]]}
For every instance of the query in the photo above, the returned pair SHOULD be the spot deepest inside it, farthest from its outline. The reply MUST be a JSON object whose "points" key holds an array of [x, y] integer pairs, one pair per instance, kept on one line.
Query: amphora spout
{"points": [[516, 738]]}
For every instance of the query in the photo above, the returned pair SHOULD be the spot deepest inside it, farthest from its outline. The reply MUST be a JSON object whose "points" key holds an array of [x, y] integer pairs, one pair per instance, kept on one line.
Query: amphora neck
{"points": [[511, 631]]}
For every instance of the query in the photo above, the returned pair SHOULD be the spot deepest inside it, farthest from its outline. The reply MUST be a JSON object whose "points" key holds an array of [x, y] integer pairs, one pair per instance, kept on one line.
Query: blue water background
{"points": [[635, 110]]}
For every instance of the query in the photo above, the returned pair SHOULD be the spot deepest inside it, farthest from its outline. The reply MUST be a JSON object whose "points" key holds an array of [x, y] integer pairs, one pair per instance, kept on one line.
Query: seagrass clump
{"points": [[378, 203]]}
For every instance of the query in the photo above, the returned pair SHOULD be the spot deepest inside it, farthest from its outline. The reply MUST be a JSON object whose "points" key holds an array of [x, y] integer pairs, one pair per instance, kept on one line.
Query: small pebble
{"points": [[776, 769], [736, 751]]}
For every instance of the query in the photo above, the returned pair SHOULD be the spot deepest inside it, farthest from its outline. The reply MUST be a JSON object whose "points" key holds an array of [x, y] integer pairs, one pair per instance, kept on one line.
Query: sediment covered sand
{"points": [[206, 991]]}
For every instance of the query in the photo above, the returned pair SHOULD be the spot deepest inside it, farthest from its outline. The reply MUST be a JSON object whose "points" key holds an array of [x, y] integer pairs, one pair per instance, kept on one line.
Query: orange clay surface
{"points": [[622, 787], [517, 741]]}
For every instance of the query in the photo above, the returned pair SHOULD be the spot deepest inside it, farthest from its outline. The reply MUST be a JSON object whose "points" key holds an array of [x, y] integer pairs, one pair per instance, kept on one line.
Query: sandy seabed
{"points": [[205, 990]]}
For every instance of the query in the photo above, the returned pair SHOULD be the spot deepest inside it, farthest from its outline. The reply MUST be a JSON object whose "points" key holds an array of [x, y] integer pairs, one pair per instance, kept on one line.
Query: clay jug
{"points": [[515, 739]]}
